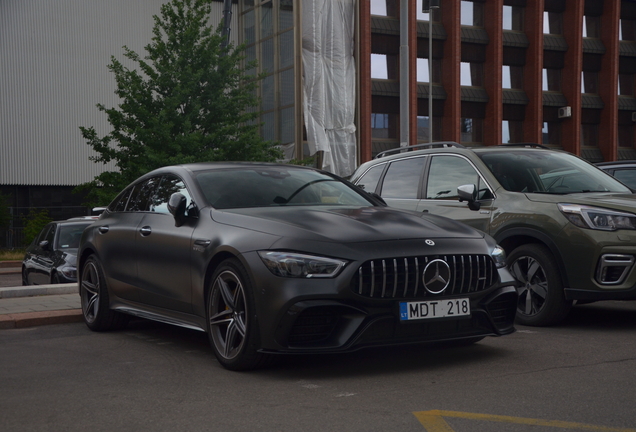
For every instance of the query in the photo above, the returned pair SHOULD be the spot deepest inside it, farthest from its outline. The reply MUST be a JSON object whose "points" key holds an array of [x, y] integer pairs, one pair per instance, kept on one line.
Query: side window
{"points": [[169, 184], [369, 181], [141, 197], [449, 172], [402, 179], [627, 176], [42, 235], [50, 235], [119, 204]]}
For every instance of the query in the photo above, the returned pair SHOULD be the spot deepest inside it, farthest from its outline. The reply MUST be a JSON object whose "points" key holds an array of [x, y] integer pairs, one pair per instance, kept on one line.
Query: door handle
{"points": [[425, 211], [103, 229], [145, 231]]}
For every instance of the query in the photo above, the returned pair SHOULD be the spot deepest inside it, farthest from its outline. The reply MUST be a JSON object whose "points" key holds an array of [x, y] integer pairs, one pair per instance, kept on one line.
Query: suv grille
{"points": [[402, 277]]}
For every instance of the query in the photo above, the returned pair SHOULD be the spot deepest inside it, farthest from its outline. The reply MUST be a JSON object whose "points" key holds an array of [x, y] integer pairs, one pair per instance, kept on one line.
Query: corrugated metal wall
{"points": [[53, 71]]}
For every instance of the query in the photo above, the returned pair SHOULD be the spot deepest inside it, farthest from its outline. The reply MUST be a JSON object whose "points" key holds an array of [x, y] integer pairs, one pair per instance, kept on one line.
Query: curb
{"points": [[38, 290], [11, 264], [34, 319]]}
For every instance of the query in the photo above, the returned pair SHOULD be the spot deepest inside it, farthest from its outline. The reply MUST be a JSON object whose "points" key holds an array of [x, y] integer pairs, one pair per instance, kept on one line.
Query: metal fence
{"points": [[13, 237]]}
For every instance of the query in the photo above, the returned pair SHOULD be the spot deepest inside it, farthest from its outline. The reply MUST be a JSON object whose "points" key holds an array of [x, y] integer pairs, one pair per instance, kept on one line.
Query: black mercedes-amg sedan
{"points": [[271, 258]]}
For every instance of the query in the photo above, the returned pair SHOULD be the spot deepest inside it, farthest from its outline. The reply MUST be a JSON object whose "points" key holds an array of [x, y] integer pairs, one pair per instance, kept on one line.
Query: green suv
{"points": [[568, 228]]}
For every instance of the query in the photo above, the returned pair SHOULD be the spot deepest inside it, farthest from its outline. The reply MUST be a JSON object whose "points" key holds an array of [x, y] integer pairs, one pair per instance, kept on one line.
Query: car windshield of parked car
{"points": [[70, 234], [265, 187], [549, 172]]}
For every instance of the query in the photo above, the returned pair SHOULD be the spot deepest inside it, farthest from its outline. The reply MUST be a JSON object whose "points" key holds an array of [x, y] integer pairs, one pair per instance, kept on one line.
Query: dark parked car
{"points": [[568, 228], [284, 259], [624, 170], [51, 256]]}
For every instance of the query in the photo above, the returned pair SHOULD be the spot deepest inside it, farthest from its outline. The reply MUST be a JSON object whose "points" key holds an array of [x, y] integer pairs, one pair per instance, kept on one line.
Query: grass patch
{"points": [[12, 255]]}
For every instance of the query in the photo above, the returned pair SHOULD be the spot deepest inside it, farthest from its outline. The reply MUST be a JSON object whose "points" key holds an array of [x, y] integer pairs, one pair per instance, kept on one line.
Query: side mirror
{"points": [[177, 207], [44, 244], [468, 192]]}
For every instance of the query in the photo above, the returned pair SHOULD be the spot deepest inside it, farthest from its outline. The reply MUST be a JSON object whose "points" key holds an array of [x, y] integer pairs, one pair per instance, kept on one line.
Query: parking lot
{"points": [[578, 376]]}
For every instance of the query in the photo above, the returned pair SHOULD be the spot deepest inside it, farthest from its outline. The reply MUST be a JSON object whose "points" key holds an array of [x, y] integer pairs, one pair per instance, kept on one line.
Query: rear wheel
{"points": [[542, 300], [25, 277], [232, 326], [94, 298]]}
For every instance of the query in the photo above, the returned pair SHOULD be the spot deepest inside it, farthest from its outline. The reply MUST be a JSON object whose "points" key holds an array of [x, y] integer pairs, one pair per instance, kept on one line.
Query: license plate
{"points": [[434, 309]]}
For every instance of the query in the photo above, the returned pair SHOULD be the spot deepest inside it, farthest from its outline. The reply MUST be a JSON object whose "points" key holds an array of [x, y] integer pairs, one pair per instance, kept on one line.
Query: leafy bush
{"points": [[34, 222]]}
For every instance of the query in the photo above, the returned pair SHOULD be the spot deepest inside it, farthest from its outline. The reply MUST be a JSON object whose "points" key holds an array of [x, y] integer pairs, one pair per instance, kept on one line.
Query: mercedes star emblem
{"points": [[436, 276]]}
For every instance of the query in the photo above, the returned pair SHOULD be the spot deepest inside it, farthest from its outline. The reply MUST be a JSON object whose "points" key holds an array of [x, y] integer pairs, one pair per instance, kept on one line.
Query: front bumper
{"points": [[327, 315]]}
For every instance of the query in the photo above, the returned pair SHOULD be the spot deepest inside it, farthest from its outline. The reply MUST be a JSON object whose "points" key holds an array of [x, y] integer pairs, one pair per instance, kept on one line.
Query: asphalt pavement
{"points": [[35, 305]]}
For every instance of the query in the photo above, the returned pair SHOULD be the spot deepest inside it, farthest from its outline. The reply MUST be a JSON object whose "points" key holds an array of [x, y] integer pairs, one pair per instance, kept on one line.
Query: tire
{"points": [[55, 279], [95, 299], [541, 300], [231, 321], [25, 277]]}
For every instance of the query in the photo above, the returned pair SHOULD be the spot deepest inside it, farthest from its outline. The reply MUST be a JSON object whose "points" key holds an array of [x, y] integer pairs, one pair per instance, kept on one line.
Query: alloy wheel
{"points": [[533, 289], [89, 289], [227, 315]]}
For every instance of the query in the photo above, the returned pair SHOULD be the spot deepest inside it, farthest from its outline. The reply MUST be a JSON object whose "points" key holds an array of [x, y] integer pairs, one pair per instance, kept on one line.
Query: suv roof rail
{"points": [[419, 146], [529, 145]]}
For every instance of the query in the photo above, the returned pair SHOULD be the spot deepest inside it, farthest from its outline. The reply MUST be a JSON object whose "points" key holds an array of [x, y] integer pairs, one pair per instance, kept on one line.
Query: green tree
{"points": [[34, 222], [188, 100]]}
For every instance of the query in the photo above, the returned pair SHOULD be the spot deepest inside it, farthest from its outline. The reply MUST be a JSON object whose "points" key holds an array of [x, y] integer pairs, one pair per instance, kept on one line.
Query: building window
{"points": [[471, 130], [384, 8], [422, 70], [551, 79], [592, 26], [589, 135], [424, 16], [551, 133], [472, 74], [511, 131], [513, 18], [379, 67], [472, 14], [589, 82], [552, 23], [384, 125], [627, 30], [512, 77], [626, 84], [625, 136]]}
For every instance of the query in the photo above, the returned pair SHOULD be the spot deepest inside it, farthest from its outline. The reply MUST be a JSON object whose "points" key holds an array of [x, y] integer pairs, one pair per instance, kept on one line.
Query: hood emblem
{"points": [[430, 242], [436, 276]]}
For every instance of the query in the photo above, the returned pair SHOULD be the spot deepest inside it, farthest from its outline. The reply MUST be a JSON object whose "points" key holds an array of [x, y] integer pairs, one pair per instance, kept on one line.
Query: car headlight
{"points": [[598, 218], [289, 264], [69, 272], [498, 256]]}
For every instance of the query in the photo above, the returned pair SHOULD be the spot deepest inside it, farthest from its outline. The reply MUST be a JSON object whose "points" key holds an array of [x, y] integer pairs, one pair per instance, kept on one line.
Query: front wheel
{"points": [[542, 300], [232, 326], [94, 298]]}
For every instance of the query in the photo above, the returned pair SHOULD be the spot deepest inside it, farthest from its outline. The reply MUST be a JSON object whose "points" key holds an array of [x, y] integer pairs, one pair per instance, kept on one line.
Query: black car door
{"points": [[163, 251], [43, 257]]}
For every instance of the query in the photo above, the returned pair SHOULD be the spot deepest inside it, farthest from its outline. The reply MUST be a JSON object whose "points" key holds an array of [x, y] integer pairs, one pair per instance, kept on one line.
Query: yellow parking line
{"points": [[433, 421]]}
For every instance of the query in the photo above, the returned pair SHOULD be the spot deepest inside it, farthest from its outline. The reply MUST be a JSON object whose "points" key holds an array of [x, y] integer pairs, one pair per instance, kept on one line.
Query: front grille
{"points": [[397, 278]]}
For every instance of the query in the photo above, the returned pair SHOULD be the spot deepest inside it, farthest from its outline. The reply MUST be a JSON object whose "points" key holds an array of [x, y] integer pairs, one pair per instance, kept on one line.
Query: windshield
{"points": [[264, 187], [70, 234], [549, 172]]}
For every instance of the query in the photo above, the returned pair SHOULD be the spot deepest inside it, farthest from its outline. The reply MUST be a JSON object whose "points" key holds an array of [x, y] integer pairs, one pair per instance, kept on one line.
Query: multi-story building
{"points": [[349, 78]]}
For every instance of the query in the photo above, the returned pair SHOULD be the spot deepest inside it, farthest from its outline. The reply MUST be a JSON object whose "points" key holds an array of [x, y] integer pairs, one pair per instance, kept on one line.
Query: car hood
{"points": [[615, 201], [345, 224]]}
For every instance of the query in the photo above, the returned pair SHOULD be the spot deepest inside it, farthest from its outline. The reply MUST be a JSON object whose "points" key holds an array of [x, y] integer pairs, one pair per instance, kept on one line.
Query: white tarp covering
{"points": [[329, 82]]}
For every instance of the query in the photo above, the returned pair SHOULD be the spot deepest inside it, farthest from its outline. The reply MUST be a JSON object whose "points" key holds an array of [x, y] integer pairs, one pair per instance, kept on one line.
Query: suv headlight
{"points": [[289, 264], [498, 256], [598, 218]]}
